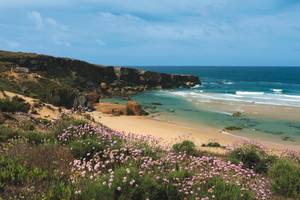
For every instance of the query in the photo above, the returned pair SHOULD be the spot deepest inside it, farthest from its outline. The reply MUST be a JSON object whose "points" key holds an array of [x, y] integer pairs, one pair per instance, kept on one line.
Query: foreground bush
{"points": [[126, 183], [186, 146], [170, 175], [252, 157], [224, 191], [61, 124], [15, 104], [285, 178], [7, 133], [95, 162], [13, 173]]}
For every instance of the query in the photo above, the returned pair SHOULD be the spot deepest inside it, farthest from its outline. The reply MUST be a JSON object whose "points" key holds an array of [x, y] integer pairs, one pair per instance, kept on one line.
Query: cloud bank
{"points": [[165, 32]]}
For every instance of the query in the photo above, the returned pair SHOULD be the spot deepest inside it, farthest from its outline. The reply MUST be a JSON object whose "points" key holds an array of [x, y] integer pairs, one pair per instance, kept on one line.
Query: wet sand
{"points": [[172, 132]]}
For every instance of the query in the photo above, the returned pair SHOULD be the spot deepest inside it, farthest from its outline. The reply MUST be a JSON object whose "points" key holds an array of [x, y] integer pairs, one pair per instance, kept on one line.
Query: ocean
{"points": [[267, 97]]}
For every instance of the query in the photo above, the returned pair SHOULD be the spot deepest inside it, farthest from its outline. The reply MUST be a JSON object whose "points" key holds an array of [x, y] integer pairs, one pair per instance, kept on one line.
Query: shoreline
{"points": [[173, 132]]}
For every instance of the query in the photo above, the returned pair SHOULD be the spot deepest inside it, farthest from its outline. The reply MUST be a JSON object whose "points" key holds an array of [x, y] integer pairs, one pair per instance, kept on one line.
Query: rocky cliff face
{"points": [[81, 78]]}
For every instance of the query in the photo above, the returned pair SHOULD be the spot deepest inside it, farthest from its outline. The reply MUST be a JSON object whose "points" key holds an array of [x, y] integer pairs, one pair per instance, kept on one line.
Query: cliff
{"points": [[69, 82]]}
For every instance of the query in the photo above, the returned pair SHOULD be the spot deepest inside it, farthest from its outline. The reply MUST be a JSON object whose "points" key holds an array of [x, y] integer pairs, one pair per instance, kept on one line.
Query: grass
{"points": [[225, 191], [14, 104], [285, 178], [7, 133]]}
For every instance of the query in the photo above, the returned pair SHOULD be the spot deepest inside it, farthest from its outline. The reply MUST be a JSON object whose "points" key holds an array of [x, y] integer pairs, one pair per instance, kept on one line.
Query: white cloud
{"points": [[206, 26], [50, 27], [100, 42], [37, 19]]}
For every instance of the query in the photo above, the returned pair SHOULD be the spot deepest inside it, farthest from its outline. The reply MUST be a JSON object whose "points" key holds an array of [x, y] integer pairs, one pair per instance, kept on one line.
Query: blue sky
{"points": [[156, 32]]}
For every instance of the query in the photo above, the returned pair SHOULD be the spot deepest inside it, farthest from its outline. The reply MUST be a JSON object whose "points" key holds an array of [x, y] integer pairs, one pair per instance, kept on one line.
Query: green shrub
{"points": [[212, 144], [15, 104], [186, 146], [35, 137], [64, 123], [11, 172], [7, 133], [27, 126], [252, 157], [14, 173], [86, 147], [225, 191], [285, 178], [60, 191], [148, 187], [127, 191]]}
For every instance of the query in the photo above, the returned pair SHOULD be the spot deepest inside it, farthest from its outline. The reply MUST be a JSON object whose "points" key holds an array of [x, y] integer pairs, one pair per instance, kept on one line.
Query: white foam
{"points": [[196, 86], [242, 96], [228, 83], [277, 90], [248, 93]]}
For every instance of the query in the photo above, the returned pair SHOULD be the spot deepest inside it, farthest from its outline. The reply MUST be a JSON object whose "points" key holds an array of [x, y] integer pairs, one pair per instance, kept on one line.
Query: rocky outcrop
{"points": [[77, 78], [131, 108]]}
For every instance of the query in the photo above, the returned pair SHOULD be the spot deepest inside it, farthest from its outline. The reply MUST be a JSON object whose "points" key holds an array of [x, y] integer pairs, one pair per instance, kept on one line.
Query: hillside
{"points": [[68, 82], [70, 155]]}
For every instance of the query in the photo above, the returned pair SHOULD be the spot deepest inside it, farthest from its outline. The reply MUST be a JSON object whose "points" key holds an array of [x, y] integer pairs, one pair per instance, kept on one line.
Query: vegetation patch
{"points": [[252, 157], [233, 128], [285, 178], [15, 104], [186, 146], [213, 144]]}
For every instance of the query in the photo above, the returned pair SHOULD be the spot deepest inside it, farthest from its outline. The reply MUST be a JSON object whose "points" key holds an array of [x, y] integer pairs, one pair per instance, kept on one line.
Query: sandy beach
{"points": [[172, 132]]}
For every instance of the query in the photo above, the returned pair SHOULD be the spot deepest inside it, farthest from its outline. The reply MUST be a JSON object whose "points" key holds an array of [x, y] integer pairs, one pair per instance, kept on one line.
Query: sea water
{"points": [[273, 86]]}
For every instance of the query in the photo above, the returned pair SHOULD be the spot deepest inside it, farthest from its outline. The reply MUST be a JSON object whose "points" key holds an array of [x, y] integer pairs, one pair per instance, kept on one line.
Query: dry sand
{"points": [[171, 133]]}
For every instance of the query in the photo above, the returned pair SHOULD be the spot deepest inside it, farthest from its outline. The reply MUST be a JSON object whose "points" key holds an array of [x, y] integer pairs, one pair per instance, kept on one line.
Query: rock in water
{"points": [[237, 114]]}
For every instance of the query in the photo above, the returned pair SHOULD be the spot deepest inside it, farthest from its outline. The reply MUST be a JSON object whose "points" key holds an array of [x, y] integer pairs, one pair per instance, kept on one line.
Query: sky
{"points": [[156, 32]]}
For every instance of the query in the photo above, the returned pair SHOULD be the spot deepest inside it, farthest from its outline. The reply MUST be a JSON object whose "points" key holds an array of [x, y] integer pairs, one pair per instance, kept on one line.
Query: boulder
{"points": [[112, 108], [237, 114], [131, 108], [103, 86], [135, 109], [80, 101]]}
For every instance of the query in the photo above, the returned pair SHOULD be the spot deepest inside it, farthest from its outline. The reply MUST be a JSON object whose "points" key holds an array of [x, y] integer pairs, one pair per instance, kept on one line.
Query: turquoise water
{"points": [[262, 86], [231, 86]]}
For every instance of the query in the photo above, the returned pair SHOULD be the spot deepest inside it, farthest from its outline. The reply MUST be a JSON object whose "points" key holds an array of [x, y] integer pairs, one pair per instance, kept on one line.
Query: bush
{"points": [[64, 123], [8, 133], [252, 157], [186, 146], [224, 191], [16, 104], [143, 187], [27, 126], [212, 144], [86, 147], [52, 158], [285, 178], [118, 189], [60, 190], [35, 137], [13, 173]]}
